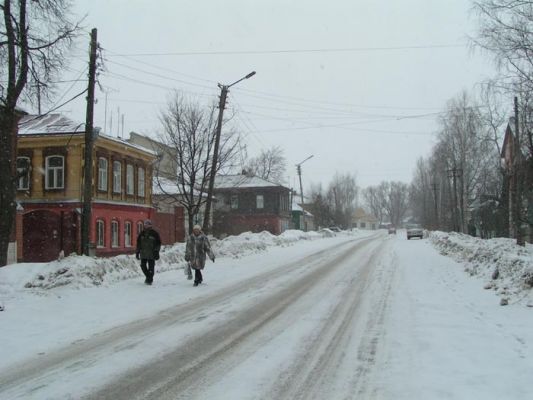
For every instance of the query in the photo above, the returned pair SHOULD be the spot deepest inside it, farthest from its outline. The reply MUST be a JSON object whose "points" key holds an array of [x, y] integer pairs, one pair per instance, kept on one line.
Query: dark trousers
{"points": [[148, 272], [198, 276]]}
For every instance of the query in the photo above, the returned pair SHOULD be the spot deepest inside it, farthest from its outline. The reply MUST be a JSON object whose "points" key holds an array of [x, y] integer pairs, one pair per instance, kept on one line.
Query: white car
{"points": [[414, 231]]}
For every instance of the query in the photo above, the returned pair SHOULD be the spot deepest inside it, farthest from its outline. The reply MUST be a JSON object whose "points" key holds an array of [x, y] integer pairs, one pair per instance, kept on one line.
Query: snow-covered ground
{"points": [[445, 333]]}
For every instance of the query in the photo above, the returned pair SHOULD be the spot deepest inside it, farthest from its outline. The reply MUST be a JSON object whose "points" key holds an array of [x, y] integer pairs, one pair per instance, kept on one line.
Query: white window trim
{"points": [[130, 179], [127, 237], [55, 169], [100, 243], [141, 182], [27, 175], [260, 201], [234, 202], [102, 174], [117, 177], [140, 226], [115, 241]]}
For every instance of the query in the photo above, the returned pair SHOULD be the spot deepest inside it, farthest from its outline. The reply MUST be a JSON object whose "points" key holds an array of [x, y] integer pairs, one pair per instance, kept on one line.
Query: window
{"points": [[117, 177], [114, 234], [54, 172], [259, 201], [129, 179], [102, 174], [100, 233], [234, 202], [140, 182], [140, 227], [23, 173], [127, 234]]}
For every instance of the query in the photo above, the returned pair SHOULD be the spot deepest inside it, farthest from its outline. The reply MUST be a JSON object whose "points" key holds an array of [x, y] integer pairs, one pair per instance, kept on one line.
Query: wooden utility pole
{"points": [[434, 188], [214, 165], [517, 181], [455, 173], [299, 171], [89, 143]]}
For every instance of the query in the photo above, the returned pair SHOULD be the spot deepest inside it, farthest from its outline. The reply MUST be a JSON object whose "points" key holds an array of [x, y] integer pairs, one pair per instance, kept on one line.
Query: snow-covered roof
{"points": [[162, 185], [49, 124], [58, 124], [243, 181]]}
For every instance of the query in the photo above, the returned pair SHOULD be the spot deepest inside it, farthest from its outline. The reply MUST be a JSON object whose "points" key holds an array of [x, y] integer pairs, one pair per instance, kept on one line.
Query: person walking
{"points": [[196, 249], [148, 246]]}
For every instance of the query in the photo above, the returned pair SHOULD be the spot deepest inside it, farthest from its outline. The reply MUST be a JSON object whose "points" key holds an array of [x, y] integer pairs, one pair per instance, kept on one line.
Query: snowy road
{"points": [[369, 317]]}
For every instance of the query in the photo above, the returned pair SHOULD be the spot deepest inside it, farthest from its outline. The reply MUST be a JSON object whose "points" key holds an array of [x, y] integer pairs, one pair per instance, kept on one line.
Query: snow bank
{"points": [[504, 266], [81, 271]]}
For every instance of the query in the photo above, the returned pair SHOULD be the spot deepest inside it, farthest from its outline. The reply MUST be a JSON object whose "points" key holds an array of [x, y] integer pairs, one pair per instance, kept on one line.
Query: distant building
{"points": [[249, 203], [50, 162], [363, 220]]}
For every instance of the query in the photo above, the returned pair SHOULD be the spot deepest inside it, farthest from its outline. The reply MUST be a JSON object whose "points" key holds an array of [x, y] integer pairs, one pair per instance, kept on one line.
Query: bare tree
{"points": [[34, 38], [342, 196], [321, 209], [506, 31], [188, 133], [374, 201], [270, 164]]}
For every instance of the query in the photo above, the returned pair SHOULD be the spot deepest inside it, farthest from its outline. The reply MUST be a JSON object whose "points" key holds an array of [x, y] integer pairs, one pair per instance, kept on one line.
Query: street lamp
{"points": [[222, 104]]}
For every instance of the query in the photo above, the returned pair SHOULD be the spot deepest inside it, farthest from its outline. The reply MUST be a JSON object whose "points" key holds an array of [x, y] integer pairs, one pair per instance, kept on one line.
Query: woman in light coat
{"points": [[196, 250]]}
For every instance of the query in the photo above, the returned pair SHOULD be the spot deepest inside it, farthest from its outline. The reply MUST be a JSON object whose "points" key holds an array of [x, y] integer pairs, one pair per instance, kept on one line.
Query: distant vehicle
{"points": [[414, 230], [334, 228], [392, 230]]}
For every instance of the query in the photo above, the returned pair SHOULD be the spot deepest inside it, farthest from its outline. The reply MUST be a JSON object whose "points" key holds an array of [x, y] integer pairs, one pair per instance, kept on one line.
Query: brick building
{"points": [[50, 162]]}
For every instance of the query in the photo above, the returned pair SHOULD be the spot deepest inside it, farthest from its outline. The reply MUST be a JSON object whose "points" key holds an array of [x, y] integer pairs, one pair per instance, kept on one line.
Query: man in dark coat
{"points": [[148, 246], [197, 248]]}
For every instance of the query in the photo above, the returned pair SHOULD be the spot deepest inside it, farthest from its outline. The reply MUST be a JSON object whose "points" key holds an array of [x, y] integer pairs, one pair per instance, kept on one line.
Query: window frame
{"points": [[115, 229], [55, 171], [26, 173], [234, 201], [100, 233], [141, 182], [260, 201], [117, 177], [128, 235], [103, 174], [130, 179]]}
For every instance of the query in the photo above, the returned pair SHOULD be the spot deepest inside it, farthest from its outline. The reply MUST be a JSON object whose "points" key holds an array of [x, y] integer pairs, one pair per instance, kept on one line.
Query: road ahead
{"points": [[308, 329]]}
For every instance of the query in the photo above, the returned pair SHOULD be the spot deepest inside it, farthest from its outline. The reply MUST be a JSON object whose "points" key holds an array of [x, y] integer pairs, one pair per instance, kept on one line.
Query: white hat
{"points": [[196, 227]]}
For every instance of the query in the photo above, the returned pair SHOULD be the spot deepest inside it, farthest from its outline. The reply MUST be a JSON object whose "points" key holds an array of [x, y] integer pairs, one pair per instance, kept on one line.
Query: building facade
{"points": [[50, 163], [249, 203]]}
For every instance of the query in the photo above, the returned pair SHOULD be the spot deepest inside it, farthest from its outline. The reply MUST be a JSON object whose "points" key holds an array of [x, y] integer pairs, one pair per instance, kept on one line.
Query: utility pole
{"points": [[455, 173], [221, 106], [89, 142], [517, 181], [214, 166], [434, 188], [299, 171]]}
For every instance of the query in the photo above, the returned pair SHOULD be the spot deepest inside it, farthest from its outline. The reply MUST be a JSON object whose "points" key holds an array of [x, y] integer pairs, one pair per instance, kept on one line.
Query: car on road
{"points": [[334, 229], [392, 230], [414, 230]]}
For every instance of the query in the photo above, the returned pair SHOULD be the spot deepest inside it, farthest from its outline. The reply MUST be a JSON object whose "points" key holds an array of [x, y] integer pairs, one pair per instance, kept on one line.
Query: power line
{"points": [[293, 51]]}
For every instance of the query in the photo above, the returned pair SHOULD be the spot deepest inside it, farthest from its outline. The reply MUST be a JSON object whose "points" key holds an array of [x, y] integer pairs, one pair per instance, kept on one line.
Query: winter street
{"points": [[365, 316]]}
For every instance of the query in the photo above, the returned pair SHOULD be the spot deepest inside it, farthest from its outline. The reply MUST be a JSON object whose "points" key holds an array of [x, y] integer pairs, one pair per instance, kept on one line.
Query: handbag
{"points": [[188, 271]]}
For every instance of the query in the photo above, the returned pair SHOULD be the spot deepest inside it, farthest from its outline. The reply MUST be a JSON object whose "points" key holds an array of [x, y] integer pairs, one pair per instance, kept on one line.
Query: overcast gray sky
{"points": [[356, 83]]}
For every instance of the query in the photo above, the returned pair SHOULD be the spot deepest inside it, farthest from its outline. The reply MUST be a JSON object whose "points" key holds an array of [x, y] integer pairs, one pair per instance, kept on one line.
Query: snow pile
{"points": [[82, 271], [504, 266]]}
